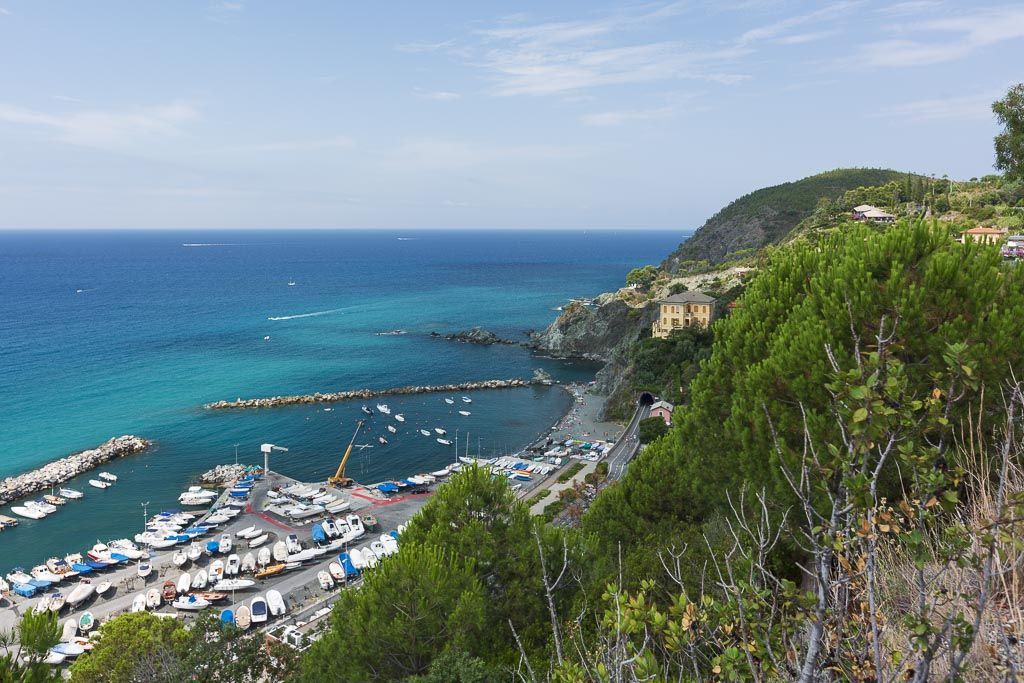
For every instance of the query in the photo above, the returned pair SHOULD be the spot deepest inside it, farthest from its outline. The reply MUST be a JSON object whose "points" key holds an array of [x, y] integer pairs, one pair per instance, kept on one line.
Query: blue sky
{"points": [[419, 114]]}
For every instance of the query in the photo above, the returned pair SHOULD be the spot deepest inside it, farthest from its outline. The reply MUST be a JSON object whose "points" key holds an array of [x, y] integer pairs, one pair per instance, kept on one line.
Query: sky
{"points": [[404, 115]]}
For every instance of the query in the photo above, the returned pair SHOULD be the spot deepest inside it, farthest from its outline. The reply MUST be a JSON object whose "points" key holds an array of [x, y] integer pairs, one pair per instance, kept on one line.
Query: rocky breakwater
{"points": [[59, 471], [478, 335], [364, 394]]}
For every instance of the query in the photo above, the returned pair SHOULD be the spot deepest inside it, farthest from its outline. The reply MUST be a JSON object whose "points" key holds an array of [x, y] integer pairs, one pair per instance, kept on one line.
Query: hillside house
{"points": [[663, 409], [866, 212], [982, 235], [1014, 247], [686, 309]]}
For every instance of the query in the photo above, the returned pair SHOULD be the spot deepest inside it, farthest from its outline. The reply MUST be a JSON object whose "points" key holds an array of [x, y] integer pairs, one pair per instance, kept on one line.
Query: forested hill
{"points": [[767, 216]]}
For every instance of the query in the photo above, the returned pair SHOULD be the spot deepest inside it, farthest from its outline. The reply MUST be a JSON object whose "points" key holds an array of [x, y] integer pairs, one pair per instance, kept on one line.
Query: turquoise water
{"points": [[104, 334]]}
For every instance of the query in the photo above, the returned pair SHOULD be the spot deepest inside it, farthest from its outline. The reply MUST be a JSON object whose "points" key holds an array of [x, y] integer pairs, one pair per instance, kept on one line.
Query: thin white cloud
{"points": [[5, 12], [92, 128], [415, 48], [439, 95], [909, 7], [803, 38], [976, 107], [778, 29], [616, 118], [955, 37], [559, 58]]}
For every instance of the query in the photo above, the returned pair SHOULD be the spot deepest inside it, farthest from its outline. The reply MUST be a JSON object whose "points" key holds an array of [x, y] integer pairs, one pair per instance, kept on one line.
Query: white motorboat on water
{"points": [[450, 401], [139, 603], [391, 428], [400, 417], [440, 431], [259, 540], [107, 476], [366, 410], [465, 413], [467, 399], [383, 408], [275, 603], [444, 442], [425, 432], [382, 441], [258, 608], [193, 499], [99, 484], [71, 493], [27, 513], [199, 580]]}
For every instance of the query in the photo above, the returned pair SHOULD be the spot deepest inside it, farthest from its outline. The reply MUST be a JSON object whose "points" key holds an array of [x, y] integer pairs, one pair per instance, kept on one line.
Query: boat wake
{"points": [[306, 315]]}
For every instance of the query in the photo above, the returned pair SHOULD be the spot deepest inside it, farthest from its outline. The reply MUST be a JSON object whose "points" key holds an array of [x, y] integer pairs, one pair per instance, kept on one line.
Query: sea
{"points": [[131, 332]]}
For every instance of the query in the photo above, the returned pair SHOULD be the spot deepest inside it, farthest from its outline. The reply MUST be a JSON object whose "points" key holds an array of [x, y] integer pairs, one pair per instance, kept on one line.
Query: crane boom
{"points": [[339, 478]]}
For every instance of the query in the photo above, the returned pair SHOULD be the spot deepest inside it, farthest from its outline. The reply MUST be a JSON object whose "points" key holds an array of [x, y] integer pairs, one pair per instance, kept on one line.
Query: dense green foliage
{"points": [[651, 429], [1010, 142], [143, 647], [643, 276], [768, 215], [26, 647], [414, 607], [768, 363], [665, 367]]}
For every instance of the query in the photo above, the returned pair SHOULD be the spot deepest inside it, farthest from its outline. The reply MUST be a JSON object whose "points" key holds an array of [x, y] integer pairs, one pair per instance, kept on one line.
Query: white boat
{"points": [[139, 603], [225, 543], [378, 549], [154, 599], [425, 432], [382, 441], [233, 584], [195, 551], [216, 570], [303, 556], [355, 523], [99, 484], [27, 513], [107, 476], [390, 544], [340, 506], [337, 571], [465, 413], [179, 558], [450, 401], [247, 532], [263, 557], [190, 602], [194, 499], [103, 587], [44, 604], [69, 631], [440, 473], [400, 417], [440, 431], [82, 592], [230, 512], [57, 602], [71, 493], [126, 548], [232, 566], [199, 580], [249, 563], [444, 442], [292, 543], [383, 408], [60, 567], [243, 617], [391, 428], [42, 506], [54, 658], [258, 607], [275, 603], [467, 399], [326, 582], [258, 541], [302, 511], [355, 556], [184, 583], [218, 519], [280, 551], [43, 573], [369, 558], [144, 570]]}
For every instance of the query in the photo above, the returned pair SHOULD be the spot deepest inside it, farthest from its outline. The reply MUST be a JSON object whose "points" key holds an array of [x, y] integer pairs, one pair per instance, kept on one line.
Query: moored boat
{"points": [[107, 476], [103, 587], [259, 540], [444, 442], [258, 608], [199, 580], [153, 599], [425, 432], [71, 493], [243, 617], [326, 582], [400, 417], [139, 603], [144, 569], [27, 513], [169, 591], [233, 584], [465, 413], [191, 603], [275, 603], [184, 583], [80, 593], [86, 622]]}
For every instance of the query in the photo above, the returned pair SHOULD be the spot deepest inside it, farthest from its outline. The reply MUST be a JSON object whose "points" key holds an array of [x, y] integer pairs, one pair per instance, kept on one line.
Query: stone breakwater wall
{"points": [[59, 471], [363, 394]]}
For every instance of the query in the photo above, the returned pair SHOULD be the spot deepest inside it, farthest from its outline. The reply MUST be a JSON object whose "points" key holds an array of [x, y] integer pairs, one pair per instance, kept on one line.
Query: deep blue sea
{"points": [[109, 333]]}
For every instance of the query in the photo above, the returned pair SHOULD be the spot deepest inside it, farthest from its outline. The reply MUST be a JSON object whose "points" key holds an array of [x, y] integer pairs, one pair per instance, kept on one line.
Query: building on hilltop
{"points": [[686, 309], [983, 235], [663, 409]]}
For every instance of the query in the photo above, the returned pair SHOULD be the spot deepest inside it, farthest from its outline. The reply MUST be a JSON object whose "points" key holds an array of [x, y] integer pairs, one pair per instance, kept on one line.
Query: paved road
{"points": [[627, 445]]}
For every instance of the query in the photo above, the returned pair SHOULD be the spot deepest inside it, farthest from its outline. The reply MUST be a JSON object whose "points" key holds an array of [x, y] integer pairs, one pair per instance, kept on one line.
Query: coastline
{"points": [[64, 469]]}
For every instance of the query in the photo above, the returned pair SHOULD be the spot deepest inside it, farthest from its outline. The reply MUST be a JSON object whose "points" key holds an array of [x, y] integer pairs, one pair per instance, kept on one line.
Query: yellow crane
{"points": [[339, 479]]}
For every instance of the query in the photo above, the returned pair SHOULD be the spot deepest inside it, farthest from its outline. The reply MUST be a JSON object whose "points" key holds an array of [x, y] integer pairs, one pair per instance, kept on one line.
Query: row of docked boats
{"points": [[47, 505], [259, 609], [58, 570], [300, 501]]}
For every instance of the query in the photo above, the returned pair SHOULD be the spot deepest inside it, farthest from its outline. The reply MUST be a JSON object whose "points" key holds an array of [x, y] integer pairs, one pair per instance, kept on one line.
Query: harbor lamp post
{"points": [[145, 515], [266, 449]]}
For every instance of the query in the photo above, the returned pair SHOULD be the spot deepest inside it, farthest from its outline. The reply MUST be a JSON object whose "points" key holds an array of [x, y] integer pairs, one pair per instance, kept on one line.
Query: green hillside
{"points": [[767, 216]]}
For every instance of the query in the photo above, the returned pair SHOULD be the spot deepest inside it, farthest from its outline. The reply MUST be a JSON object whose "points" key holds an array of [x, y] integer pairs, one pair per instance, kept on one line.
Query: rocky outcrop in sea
{"points": [[477, 335], [60, 471], [363, 394]]}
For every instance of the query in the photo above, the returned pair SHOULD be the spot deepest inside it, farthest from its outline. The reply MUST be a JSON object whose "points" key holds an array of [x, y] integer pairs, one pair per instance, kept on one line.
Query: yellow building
{"points": [[687, 309]]}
